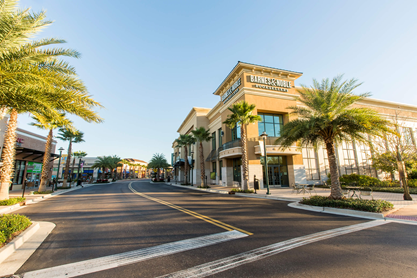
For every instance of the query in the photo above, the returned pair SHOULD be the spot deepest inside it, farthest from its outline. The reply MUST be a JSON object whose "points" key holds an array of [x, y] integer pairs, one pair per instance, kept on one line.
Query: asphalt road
{"points": [[103, 220]]}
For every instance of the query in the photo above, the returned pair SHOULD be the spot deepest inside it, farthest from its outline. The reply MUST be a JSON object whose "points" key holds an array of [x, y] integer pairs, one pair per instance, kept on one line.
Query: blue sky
{"points": [[150, 62]]}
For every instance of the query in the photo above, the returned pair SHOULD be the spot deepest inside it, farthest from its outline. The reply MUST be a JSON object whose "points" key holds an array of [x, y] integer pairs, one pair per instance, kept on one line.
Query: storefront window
{"points": [[236, 132], [349, 158], [220, 169], [271, 124], [237, 162], [213, 141], [20, 169], [220, 137], [311, 164], [214, 171]]}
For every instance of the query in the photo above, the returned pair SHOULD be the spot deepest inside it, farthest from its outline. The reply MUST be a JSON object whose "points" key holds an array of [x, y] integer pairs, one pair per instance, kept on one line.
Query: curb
{"points": [[200, 189], [346, 212], [41, 198], [18, 241], [7, 208], [30, 243], [297, 205]]}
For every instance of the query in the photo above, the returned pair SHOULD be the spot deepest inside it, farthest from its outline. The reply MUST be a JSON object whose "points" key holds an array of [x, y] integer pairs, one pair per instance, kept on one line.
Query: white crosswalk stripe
{"points": [[266, 251], [117, 260]]}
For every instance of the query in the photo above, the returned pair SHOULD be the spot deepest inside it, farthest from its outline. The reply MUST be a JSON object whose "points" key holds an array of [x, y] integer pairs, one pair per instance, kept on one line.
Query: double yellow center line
{"points": [[192, 213]]}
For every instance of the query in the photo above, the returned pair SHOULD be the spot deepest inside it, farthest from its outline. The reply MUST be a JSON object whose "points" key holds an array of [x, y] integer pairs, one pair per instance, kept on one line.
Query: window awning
{"points": [[30, 154]]}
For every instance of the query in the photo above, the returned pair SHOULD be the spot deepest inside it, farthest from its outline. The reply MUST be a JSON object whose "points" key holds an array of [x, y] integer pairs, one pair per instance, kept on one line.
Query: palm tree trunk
{"points": [[3, 112], [186, 165], [401, 172], [202, 166], [46, 157], [8, 155], [72, 171], [245, 167], [67, 165], [102, 173], [336, 189]]}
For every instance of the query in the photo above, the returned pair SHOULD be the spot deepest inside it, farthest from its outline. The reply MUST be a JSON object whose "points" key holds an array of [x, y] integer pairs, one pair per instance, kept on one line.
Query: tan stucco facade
{"points": [[273, 91]]}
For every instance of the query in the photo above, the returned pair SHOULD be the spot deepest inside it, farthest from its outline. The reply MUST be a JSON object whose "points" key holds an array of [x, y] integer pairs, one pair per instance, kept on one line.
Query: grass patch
{"points": [[238, 190], [60, 187], [349, 203], [11, 225], [11, 201], [203, 186], [43, 192], [186, 184]]}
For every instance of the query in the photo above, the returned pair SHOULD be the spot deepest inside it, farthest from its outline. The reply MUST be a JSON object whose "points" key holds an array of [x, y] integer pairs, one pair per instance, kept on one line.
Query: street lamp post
{"points": [[192, 168], [59, 164], [264, 135]]}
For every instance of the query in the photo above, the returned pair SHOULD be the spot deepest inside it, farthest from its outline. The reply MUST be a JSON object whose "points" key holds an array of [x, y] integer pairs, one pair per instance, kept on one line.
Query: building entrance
{"points": [[277, 171]]}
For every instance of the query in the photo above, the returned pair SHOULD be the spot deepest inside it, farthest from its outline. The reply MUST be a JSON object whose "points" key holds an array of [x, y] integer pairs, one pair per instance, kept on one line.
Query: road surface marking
{"points": [[224, 264], [192, 213], [117, 260]]}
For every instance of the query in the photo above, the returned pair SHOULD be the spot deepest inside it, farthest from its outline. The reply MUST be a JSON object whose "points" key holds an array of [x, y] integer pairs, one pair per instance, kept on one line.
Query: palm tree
{"points": [[32, 79], [73, 136], [114, 162], [102, 162], [202, 135], [158, 161], [185, 140], [327, 116], [50, 124], [242, 116]]}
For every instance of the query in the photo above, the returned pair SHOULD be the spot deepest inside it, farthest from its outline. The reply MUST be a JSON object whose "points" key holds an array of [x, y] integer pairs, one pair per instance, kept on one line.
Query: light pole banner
{"points": [[261, 147]]}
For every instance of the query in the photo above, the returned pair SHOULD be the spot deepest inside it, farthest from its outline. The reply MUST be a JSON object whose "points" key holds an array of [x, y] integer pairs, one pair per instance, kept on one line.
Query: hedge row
{"points": [[11, 224], [368, 181], [349, 203], [11, 201]]}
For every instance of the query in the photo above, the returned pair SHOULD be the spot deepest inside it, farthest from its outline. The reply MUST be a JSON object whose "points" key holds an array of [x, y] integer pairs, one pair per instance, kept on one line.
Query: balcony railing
{"points": [[232, 144]]}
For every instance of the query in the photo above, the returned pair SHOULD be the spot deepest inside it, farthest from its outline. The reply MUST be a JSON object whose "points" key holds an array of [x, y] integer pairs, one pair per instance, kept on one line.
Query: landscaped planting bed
{"points": [[12, 225], [11, 201], [43, 192], [349, 203]]}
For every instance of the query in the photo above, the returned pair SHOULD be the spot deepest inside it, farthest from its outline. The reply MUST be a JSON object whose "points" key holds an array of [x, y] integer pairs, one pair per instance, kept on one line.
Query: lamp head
{"points": [[61, 149], [264, 135]]}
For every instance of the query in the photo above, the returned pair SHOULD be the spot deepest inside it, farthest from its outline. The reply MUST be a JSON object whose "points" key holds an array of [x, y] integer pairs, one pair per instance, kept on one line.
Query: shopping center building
{"points": [[30, 149], [273, 90]]}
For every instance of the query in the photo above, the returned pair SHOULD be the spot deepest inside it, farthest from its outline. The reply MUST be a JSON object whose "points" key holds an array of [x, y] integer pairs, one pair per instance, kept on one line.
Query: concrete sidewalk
{"points": [[406, 210]]}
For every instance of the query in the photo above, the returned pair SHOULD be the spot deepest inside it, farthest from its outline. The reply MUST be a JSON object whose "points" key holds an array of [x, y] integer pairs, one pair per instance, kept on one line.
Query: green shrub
{"points": [[238, 190], [43, 192], [349, 203], [412, 183], [10, 224], [203, 186], [360, 180], [413, 174], [11, 201]]}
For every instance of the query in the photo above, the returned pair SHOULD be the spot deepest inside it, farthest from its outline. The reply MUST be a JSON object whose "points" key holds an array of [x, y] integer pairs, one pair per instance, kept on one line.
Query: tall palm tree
{"points": [[242, 116], [32, 79], [202, 135], [327, 116], [185, 140], [50, 124], [72, 136]]}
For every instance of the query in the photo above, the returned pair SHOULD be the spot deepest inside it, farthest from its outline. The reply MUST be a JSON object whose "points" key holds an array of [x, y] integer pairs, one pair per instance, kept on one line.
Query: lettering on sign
{"points": [[231, 91], [270, 82]]}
